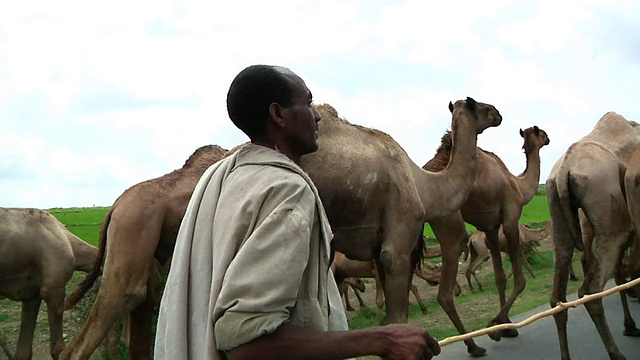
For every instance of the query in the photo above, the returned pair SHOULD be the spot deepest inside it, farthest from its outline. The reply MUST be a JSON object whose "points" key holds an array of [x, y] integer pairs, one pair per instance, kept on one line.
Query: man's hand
{"points": [[409, 342]]}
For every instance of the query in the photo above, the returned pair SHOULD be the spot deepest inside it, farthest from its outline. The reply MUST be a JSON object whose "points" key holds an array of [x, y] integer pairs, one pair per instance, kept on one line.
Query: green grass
{"points": [[83, 222], [537, 210]]}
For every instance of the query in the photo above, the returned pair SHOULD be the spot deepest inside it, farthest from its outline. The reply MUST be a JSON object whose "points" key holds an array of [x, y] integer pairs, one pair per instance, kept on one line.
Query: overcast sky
{"points": [[98, 96]]}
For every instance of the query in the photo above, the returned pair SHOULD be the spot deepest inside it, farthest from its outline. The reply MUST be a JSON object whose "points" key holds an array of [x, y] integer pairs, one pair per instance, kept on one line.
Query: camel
{"points": [[357, 285], [141, 225], [632, 189], [480, 252], [496, 199], [377, 199], [346, 270], [590, 176], [39, 256], [159, 204]]}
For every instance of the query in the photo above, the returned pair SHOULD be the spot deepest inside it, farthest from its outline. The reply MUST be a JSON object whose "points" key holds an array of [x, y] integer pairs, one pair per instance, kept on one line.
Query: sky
{"points": [[98, 96]]}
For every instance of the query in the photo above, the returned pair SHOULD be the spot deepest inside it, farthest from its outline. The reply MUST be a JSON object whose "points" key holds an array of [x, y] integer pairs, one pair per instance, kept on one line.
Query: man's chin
{"points": [[313, 148]]}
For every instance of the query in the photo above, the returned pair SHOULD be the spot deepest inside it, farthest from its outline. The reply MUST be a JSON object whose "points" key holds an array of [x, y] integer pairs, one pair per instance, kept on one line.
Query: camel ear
{"points": [[471, 103], [521, 133], [536, 129], [451, 107]]}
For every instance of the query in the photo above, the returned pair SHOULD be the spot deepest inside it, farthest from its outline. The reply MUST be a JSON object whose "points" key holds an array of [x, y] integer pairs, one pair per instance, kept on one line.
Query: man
{"points": [[250, 276]]}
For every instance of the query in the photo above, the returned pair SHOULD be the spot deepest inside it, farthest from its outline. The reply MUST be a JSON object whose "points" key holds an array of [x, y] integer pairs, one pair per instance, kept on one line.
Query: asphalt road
{"points": [[539, 340]]}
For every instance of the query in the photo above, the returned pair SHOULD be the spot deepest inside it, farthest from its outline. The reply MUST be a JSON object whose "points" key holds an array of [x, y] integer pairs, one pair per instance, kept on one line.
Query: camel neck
{"points": [[528, 180]]}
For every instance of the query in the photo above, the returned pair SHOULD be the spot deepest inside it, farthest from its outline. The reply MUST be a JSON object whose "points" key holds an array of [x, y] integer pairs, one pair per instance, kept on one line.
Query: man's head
{"points": [[272, 104]]}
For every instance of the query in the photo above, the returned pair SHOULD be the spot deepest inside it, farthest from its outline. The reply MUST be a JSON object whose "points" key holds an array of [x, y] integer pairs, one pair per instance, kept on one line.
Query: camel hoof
{"points": [[496, 335], [510, 333], [633, 332], [477, 351]]}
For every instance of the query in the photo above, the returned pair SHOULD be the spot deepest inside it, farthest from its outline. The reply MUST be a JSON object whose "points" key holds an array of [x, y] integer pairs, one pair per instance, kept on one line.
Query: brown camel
{"points": [[357, 285], [632, 189], [39, 256], [142, 224], [589, 176], [377, 199], [345, 269], [496, 199], [480, 251]]}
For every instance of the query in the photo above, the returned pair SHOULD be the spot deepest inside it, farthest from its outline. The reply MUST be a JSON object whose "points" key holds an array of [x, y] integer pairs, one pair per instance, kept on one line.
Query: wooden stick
{"points": [[558, 308]]}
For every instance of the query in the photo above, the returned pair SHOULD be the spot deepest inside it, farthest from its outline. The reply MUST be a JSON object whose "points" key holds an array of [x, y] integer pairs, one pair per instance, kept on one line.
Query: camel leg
{"points": [[140, 341], [414, 290], [450, 232], [500, 277], [512, 233], [471, 271], [603, 263], [27, 327], [395, 282], [563, 247], [526, 264], [123, 288], [54, 299], [630, 328], [379, 290], [346, 298], [360, 301], [343, 289], [112, 340]]}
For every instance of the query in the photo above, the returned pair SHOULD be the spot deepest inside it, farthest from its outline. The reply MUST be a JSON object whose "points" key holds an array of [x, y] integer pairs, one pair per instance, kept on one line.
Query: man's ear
{"points": [[276, 114]]}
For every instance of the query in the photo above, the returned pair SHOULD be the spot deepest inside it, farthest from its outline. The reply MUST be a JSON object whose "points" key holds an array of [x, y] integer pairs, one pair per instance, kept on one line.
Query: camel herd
{"points": [[377, 201]]}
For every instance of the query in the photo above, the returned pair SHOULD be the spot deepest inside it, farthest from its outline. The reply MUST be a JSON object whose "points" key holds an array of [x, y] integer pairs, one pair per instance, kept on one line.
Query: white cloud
{"points": [[96, 97]]}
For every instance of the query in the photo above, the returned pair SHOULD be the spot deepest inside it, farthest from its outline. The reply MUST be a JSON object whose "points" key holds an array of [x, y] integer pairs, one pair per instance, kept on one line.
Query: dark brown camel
{"points": [[497, 199], [141, 225]]}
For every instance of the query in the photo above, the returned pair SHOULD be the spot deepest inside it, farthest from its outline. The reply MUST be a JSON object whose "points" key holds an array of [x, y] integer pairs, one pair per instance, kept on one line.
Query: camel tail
{"points": [[536, 234], [471, 250], [92, 276], [418, 252], [569, 213]]}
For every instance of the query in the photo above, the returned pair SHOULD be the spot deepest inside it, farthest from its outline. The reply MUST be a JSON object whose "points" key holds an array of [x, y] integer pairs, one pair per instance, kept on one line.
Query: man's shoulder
{"points": [[270, 173]]}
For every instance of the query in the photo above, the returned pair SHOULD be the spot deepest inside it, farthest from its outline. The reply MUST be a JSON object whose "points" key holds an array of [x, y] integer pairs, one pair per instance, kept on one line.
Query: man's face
{"points": [[302, 118]]}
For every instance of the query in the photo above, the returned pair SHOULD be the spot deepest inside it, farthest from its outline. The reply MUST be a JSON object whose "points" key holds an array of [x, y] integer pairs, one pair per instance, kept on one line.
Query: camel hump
{"points": [[328, 109]]}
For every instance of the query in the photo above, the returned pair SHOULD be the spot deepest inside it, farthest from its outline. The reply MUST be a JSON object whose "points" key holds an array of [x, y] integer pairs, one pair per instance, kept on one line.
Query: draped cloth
{"points": [[251, 254]]}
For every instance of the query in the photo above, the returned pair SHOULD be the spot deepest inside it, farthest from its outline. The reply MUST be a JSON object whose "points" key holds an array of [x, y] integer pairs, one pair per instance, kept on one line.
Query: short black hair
{"points": [[251, 93]]}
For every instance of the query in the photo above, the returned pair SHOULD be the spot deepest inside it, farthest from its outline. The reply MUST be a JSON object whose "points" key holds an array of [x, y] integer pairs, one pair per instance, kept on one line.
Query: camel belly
{"points": [[356, 241], [20, 287]]}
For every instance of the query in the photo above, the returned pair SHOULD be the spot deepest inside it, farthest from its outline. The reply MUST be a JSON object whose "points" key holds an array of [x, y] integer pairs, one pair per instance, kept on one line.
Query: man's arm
{"points": [[397, 341]]}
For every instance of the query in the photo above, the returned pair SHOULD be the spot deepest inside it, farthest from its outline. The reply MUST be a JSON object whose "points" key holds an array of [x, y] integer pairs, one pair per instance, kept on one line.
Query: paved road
{"points": [[539, 340]]}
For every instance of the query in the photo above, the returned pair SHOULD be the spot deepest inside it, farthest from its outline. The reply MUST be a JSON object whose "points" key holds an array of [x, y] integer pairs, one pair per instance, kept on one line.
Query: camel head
{"points": [[357, 283], [486, 115], [534, 139]]}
